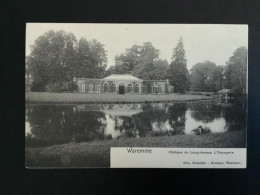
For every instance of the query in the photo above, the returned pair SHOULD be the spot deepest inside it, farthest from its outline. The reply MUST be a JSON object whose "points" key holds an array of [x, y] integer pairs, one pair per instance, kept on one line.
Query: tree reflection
{"points": [[153, 118], [177, 116], [205, 111], [52, 124], [235, 117], [127, 126]]}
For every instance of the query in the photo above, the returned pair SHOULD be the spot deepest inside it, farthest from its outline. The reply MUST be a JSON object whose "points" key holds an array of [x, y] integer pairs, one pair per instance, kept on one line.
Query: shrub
{"points": [[37, 86], [72, 86], [170, 89], [62, 87], [50, 87], [56, 87]]}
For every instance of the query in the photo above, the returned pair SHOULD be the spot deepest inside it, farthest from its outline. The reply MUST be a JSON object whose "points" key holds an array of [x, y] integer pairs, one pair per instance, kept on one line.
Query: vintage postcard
{"points": [[135, 95]]}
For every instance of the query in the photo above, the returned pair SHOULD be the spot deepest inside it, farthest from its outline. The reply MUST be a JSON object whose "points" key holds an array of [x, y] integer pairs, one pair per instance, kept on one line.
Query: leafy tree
{"points": [[28, 62], [236, 71], [98, 58], [38, 85], [145, 62], [56, 87], [91, 59], [51, 56], [140, 61], [160, 69], [178, 73], [57, 57], [127, 61], [72, 86], [218, 77], [147, 54], [69, 56], [28, 65], [206, 76]]}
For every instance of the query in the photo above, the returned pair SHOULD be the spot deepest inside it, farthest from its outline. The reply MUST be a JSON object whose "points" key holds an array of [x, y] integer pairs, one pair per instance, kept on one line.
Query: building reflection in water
{"points": [[56, 124], [120, 121]]}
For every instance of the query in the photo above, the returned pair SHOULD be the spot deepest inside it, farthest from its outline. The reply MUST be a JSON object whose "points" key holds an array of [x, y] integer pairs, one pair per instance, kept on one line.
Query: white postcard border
{"points": [[138, 157]]}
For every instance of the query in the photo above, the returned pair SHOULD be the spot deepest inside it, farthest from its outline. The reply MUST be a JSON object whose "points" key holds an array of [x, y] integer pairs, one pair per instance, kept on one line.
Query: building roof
{"points": [[87, 78], [155, 80], [226, 91], [122, 77], [122, 112]]}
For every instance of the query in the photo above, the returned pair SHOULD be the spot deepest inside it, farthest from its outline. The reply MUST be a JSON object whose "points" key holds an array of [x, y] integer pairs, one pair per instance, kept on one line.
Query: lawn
{"points": [[97, 154], [45, 97]]}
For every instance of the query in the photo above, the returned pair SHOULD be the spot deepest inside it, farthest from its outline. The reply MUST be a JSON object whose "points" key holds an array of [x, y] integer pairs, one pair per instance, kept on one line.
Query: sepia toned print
{"points": [[92, 87]]}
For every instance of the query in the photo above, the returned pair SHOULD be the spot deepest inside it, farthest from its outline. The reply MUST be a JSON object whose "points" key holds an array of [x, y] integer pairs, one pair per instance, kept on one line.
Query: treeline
{"points": [[57, 57], [142, 61], [207, 76]]}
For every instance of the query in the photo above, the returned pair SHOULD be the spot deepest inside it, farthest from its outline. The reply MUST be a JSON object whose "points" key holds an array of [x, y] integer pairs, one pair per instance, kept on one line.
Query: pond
{"points": [[51, 124]]}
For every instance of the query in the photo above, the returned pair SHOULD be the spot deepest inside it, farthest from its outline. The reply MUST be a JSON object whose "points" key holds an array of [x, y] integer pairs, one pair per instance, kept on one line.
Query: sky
{"points": [[202, 42]]}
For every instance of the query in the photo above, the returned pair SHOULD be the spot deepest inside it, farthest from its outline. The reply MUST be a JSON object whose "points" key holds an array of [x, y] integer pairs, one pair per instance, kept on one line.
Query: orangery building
{"points": [[122, 84]]}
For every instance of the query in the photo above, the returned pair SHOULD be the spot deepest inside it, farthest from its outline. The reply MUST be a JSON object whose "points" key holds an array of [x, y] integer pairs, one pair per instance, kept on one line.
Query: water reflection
{"points": [[57, 124], [215, 125]]}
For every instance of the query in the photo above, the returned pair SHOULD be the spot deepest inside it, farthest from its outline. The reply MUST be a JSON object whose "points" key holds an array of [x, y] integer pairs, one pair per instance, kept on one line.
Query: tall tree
{"points": [[91, 59], [160, 69], [140, 60], [28, 65], [127, 61], [236, 70], [28, 62], [51, 55], [98, 58], [178, 73], [57, 57], [145, 62], [206, 76]]}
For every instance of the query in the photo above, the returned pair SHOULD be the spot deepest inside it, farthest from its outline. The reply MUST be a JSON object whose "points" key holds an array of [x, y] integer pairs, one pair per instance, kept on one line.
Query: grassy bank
{"points": [[45, 97], [97, 154]]}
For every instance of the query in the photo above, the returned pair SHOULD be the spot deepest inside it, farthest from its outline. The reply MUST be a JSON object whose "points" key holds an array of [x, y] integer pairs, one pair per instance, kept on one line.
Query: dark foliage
{"points": [[57, 57], [178, 73]]}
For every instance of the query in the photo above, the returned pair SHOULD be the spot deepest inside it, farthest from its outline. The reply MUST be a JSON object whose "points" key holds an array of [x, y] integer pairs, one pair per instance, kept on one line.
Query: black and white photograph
{"points": [[91, 87]]}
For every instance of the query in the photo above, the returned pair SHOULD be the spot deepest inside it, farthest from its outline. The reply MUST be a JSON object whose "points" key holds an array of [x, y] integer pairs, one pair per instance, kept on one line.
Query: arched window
{"points": [[113, 106], [122, 105], [137, 105], [106, 106], [144, 88], [156, 89], [90, 88], [130, 88], [152, 89], [160, 88], [97, 88], [106, 86], [113, 87], [129, 105], [137, 88], [82, 87]]}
